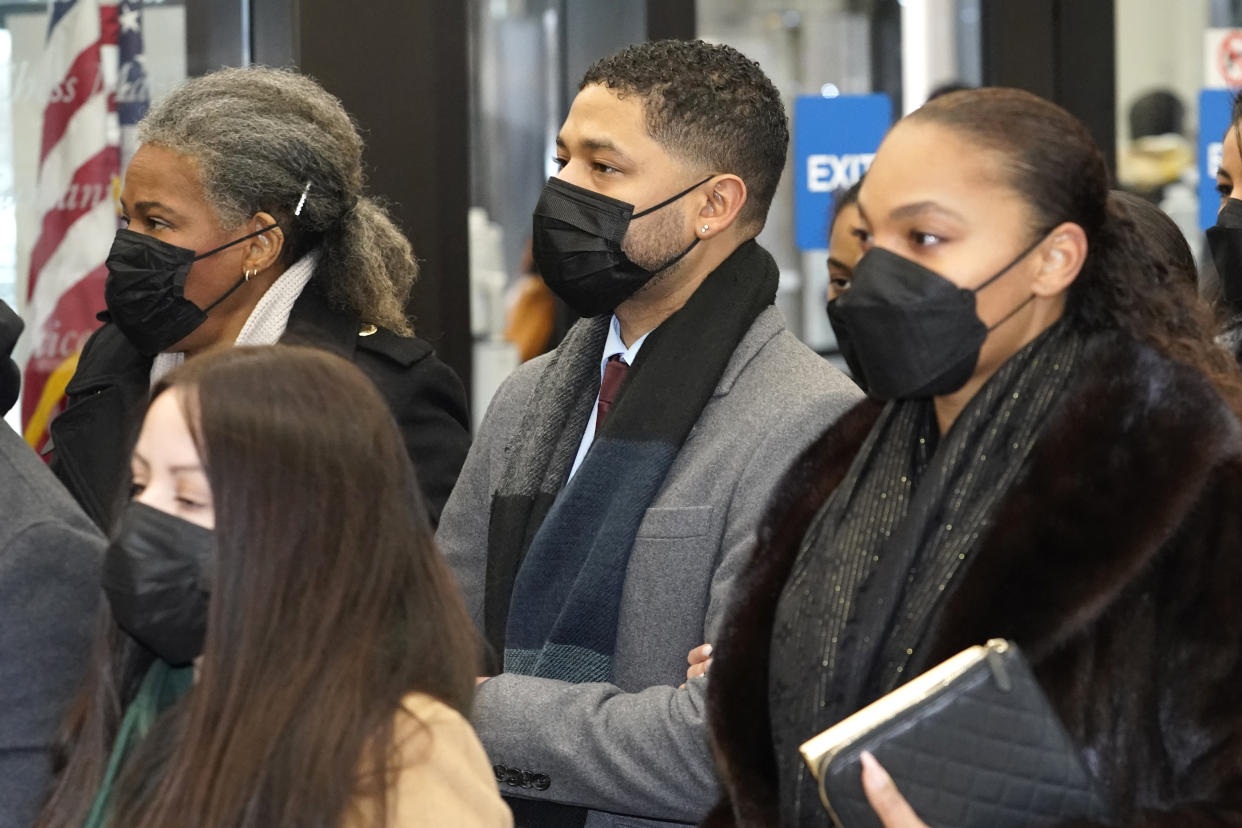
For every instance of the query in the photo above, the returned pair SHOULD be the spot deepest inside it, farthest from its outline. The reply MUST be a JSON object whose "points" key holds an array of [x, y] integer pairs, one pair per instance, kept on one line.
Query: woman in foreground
{"points": [[284, 645]]}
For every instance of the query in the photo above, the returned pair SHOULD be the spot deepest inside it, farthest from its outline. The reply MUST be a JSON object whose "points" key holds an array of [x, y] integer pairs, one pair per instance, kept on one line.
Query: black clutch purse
{"points": [[972, 743]]}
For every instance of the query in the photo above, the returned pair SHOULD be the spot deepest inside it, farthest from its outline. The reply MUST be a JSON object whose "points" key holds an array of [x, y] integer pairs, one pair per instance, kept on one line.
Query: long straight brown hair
{"points": [[330, 604]]}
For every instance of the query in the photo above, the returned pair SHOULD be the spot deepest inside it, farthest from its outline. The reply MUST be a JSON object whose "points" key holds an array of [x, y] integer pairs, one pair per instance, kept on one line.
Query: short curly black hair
{"points": [[707, 104]]}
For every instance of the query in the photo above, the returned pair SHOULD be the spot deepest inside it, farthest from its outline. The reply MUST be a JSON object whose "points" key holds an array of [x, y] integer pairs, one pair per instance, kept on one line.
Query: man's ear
{"points": [[264, 249], [722, 201], [1061, 260]]}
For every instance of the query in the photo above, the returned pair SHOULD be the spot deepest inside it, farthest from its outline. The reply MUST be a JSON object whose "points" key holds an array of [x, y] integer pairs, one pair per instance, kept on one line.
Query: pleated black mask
{"points": [[145, 289], [577, 245], [156, 575]]}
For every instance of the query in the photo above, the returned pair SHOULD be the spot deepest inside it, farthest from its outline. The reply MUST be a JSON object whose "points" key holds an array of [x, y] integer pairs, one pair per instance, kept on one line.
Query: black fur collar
{"points": [[1121, 464], [1123, 460]]}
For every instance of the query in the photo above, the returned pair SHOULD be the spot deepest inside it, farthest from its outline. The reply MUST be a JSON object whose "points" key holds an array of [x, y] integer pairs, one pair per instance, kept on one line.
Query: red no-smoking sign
{"points": [[1229, 59]]}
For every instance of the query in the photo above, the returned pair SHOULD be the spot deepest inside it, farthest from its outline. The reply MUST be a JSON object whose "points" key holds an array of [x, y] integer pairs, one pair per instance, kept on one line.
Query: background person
{"points": [[11, 327], [1158, 164], [248, 224], [845, 242], [1225, 238], [1164, 240]]}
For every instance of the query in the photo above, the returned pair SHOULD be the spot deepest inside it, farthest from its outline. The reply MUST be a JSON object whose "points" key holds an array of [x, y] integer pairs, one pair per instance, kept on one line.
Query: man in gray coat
{"points": [[615, 487], [50, 559]]}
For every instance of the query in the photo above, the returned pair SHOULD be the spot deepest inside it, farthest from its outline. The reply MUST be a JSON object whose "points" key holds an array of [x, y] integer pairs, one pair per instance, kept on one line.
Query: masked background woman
{"points": [[248, 224]]}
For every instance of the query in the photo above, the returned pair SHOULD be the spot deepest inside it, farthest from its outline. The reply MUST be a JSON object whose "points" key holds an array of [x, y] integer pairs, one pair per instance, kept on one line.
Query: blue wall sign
{"points": [[835, 140], [1215, 106]]}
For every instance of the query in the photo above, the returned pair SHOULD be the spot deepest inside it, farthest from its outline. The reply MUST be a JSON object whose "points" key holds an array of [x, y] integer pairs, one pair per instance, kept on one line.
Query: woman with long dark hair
{"points": [[284, 645], [1052, 455]]}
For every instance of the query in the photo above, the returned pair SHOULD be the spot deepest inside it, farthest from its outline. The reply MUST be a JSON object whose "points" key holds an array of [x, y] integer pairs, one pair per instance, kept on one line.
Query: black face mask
{"points": [[577, 246], [907, 332], [1225, 242], [156, 577], [145, 289]]}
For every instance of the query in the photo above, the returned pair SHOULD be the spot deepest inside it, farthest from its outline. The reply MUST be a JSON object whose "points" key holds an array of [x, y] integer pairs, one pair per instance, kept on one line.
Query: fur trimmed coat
{"points": [[1115, 563]]}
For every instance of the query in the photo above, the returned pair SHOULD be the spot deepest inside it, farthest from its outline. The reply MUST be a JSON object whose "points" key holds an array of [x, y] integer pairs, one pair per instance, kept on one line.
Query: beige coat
{"points": [[445, 779]]}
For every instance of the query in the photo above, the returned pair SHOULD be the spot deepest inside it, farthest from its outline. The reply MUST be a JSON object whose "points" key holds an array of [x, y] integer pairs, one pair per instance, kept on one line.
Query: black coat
{"points": [[1115, 563], [108, 395]]}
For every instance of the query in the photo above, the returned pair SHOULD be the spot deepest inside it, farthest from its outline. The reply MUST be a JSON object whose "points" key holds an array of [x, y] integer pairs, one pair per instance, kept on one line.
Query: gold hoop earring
{"points": [[250, 274]]}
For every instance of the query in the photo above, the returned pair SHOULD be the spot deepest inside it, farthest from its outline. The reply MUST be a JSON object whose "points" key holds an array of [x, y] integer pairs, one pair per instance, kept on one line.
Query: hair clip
{"points": [[297, 211]]}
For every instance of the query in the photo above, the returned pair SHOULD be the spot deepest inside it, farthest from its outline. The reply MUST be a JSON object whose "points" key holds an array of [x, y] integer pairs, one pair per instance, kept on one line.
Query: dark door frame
{"points": [[1063, 50], [670, 19]]}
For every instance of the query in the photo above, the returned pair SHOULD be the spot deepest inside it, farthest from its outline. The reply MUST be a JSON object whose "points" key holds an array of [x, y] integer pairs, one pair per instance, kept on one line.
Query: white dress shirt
{"points": [[612, 346]]}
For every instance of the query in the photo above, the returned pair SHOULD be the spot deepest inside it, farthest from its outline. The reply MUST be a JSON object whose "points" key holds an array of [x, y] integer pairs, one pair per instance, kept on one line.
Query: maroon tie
{"points": [[614, 372]]}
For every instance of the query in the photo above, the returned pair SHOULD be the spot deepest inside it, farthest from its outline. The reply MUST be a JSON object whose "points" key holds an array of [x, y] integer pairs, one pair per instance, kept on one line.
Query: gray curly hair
{"points": [[258, 136]]}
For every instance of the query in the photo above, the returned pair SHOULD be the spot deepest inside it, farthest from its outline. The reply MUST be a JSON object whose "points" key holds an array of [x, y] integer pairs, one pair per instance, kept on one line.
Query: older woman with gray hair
{"points": [[248, 224]]}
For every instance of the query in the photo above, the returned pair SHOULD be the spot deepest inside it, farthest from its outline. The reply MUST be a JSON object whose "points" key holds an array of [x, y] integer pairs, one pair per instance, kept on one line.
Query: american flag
{"points": [[95, 83]]}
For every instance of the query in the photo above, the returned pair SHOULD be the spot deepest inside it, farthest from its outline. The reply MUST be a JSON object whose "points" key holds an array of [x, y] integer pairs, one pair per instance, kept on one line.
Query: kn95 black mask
{"points": [[906, 332]]}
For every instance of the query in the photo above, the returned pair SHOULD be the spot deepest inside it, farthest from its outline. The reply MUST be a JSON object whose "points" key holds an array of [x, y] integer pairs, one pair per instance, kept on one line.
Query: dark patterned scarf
{"points": [[882, 554]]}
